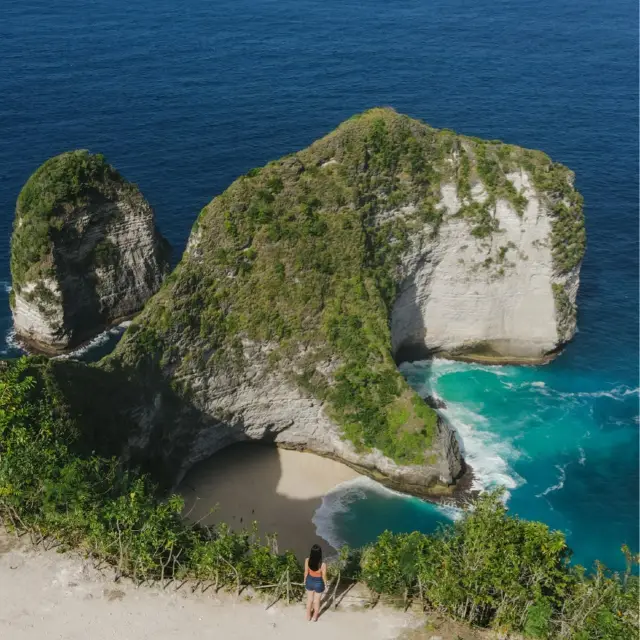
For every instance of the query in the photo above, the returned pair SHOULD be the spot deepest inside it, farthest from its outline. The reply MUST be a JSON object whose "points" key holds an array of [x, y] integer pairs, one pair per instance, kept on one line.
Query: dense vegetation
{"points": [[55, 189], [303, 256], [489, 569]]}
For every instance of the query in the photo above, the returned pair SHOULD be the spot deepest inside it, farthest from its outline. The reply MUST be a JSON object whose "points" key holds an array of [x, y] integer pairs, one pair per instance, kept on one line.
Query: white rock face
{"points": [[262, 406], [494, 295], [106, 262], [41, 322]]}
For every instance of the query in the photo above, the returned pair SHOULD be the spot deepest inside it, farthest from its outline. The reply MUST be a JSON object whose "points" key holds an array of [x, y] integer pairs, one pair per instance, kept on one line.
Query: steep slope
{"points": [[305, 279], [85, 252]]}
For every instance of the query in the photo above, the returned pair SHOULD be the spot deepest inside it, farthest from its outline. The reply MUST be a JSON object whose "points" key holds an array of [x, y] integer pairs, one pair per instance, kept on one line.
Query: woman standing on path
{"points": [[315, 579]]}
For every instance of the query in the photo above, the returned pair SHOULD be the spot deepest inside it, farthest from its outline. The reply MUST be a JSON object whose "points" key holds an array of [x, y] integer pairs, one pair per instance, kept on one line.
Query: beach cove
{"points": [[304, 498], [279, 488]]}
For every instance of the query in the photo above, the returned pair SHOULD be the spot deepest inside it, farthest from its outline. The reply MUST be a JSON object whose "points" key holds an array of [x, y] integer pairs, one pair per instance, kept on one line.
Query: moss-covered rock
{"points": [[84, 251]]}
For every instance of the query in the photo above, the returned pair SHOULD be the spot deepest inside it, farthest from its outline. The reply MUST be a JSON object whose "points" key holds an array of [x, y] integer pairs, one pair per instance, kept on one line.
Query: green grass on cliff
{"points": [[53, 191], [303, 255]]}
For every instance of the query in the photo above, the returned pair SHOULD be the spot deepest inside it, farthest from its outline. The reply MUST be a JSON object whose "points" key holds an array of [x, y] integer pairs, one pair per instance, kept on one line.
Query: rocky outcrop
{"points": [[306, 280], [85, 252], [264, 407]]}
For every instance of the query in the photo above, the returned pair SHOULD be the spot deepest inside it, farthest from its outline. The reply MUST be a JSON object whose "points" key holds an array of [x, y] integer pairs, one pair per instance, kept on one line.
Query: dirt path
{"points": [[51, 596]]}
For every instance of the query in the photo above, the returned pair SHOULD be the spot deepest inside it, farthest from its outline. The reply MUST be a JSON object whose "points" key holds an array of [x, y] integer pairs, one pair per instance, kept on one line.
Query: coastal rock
{"points": [[264, 407], [85, 252], [306, 280], [435, 403]]}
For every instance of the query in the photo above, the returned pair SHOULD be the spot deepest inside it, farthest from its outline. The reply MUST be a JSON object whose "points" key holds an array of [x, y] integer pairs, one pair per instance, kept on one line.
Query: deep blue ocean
{"points": [[184, 96]]}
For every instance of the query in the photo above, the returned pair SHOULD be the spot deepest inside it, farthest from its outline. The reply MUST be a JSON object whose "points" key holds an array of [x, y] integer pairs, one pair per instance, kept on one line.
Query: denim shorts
{"points": [[314, 584]]}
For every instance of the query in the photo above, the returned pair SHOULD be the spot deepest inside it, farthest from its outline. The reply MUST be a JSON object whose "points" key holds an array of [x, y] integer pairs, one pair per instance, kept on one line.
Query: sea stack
{"points": [[307, 280], [85, 252]]}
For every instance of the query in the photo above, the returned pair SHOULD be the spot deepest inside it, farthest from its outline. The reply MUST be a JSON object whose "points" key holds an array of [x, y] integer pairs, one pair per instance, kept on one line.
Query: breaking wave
{"points": [[559, 484], [340, 500], [102, 339]]}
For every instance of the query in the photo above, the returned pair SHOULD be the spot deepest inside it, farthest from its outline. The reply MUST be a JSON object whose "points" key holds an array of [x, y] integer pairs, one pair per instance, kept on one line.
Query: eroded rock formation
{"points": [[498, 297], [85, 252]]}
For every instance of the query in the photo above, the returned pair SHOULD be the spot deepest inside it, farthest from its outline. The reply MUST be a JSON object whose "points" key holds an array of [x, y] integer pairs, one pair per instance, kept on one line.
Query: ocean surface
{"points": [[184, 96]]}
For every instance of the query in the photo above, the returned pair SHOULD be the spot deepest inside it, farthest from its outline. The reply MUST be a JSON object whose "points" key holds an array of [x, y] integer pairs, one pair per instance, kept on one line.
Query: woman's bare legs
{"points": [[316, 605], [309, 604]]}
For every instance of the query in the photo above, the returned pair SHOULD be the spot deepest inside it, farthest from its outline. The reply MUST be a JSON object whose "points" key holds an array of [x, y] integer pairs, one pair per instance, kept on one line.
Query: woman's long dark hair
{"points": [[315, 557]]}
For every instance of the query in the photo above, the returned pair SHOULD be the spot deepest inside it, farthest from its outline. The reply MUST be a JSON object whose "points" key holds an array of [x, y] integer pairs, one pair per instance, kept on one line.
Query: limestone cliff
{"points": [[305, 280], [499, 297], [85, 252]]}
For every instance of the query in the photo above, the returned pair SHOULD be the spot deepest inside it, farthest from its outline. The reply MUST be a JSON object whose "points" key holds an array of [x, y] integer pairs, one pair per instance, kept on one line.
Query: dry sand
{"points": [[45, 595], [51, 596], [281, 489]]}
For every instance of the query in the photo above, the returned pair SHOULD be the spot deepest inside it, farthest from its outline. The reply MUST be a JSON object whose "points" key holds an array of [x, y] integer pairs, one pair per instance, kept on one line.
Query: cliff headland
{"points": [[302, 287]]}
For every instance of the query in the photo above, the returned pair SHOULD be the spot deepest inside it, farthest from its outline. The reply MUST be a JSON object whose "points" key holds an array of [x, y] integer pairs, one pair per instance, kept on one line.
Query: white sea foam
{"points": [[450, 510], [559, 484], [337, 502], [100, 339], [11, 342], [6, 285], [488, 455], [583, 456], [617, 393]]}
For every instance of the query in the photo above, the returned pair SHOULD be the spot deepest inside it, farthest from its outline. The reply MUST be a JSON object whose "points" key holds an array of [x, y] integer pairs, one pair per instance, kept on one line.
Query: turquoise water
{"points": [[565, 451]]}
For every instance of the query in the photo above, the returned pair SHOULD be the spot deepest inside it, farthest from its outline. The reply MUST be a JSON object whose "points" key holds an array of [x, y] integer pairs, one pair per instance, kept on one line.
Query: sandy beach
{"points": [[281, 489]]}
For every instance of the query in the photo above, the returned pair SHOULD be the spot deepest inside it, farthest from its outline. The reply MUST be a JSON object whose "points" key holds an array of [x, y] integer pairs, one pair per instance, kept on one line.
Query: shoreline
{"points": [[34, 348], [282, 490], [460, 492], [474, 358], [410, 355]]}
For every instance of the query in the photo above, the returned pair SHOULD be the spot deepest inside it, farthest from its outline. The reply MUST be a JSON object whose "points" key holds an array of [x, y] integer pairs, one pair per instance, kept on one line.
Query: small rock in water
{"points": [[435, 403]]}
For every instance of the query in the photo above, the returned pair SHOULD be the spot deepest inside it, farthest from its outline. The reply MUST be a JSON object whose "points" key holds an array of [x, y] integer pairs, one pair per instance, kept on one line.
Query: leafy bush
{"points": [[494, 570], [49, 487]]}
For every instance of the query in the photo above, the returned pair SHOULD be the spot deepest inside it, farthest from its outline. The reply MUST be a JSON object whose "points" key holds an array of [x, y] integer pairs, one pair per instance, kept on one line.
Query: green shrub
{"points": [[49, 487], [494, 570]]}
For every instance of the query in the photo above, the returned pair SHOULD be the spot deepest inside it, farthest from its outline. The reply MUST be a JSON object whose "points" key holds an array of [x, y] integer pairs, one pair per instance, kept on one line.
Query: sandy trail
{"points": [[49, 596]]}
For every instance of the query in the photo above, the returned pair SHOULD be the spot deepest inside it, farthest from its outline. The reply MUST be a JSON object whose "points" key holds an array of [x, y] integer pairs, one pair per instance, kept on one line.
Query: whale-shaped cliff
{"points": [[307, 280]]}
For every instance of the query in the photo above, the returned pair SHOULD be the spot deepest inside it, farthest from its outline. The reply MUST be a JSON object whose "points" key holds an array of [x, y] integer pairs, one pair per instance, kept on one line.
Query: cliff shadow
{"points": [[277, 488], [408, 331]]}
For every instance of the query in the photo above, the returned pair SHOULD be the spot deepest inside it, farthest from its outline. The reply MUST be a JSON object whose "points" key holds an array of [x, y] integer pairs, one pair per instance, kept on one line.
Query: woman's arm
{"points": [[306, 569], [324, 575]]}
